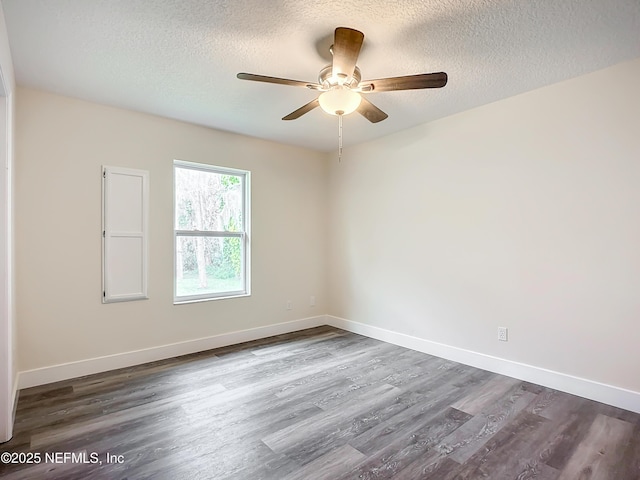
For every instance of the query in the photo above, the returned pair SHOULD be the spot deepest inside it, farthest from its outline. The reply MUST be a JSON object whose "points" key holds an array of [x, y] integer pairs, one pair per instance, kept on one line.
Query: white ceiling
{"points": [[179, 58]]}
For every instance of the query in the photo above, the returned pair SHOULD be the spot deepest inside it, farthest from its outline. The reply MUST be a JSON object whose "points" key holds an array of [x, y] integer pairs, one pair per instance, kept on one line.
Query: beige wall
{"points": [[61, 145], [524, 213]]}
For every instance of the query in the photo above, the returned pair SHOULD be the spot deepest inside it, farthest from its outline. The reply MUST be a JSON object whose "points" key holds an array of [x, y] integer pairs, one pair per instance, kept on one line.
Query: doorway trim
{"points": [[8, 388]]}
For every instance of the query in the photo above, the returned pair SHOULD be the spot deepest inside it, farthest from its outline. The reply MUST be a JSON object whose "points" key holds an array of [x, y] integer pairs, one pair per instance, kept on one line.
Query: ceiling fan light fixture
{"points": [[339, 100]]}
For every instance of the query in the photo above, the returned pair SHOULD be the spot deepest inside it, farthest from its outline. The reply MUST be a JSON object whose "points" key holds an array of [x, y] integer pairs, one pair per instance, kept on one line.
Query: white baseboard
{"points": [[56, 373], [600, 392]]}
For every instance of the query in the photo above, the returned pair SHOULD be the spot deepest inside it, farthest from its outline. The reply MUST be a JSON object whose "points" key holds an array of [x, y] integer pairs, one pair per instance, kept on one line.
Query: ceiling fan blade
{"points": [[409, 82], [369, 111], [346, 48], [302, 110], [276, 80]]}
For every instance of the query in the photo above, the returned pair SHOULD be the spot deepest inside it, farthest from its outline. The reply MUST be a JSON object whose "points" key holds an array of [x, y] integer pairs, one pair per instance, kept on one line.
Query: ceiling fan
{"points": [[341, 85]]}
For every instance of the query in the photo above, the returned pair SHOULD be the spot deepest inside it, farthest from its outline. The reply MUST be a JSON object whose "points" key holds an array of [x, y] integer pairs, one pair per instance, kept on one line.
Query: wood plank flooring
{"points": [[321, 404]]}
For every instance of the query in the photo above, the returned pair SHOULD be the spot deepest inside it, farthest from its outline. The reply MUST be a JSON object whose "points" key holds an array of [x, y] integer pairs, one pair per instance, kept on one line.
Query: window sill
{"points": [[210, 299]]}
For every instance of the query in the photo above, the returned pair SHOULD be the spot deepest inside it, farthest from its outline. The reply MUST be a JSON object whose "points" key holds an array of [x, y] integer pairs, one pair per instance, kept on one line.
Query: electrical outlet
{"points": [[289, 305], [502, 334], [312, 301]]}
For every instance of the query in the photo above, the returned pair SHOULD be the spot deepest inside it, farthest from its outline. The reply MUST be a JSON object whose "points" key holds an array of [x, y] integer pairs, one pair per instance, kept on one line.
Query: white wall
{"points": [[524, 213], [61, 145], [8, 363]]}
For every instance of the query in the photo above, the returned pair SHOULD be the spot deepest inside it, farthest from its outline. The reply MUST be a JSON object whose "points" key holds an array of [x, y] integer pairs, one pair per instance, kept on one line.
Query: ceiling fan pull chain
{"points": [[339, 138]]}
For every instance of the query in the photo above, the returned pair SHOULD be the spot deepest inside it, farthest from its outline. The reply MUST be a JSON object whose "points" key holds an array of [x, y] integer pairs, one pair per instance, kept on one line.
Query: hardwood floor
{"points": [[314, 405]]}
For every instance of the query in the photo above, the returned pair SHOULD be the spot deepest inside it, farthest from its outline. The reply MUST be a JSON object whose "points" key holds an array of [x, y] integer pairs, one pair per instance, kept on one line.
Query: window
{"points": [[211, 207]]}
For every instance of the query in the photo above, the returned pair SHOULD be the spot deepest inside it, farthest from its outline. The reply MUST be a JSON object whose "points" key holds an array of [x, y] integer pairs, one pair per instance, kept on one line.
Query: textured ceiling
{"points": [[179, 58]]}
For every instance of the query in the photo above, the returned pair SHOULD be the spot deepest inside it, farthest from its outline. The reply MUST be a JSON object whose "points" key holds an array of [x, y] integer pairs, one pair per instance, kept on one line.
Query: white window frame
{"points": [[243, 234]]}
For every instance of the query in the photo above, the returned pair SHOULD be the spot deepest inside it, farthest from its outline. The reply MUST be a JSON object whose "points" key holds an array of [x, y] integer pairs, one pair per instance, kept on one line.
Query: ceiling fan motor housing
{"points": [[328, 80]]}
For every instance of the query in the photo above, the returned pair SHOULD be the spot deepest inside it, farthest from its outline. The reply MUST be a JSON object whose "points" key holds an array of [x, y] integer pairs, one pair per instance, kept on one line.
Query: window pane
{"points": [[208, 265], [208, 201]]}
